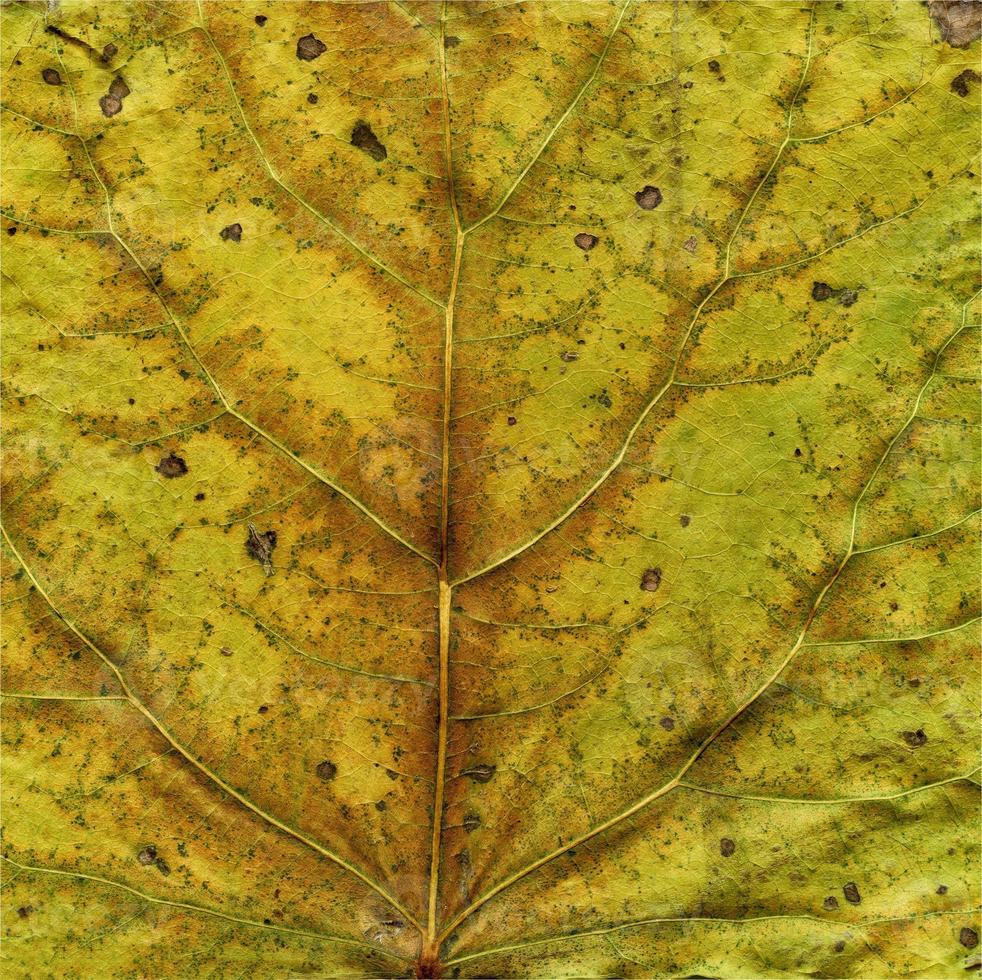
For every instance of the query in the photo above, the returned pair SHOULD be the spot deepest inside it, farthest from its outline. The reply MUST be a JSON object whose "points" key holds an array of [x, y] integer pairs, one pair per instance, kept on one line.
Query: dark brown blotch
{"points": [[119, 89], [310, 47], [260, 545], [480, 774], [25, 910], [685, 520], [148, 855], [171, 466], [915, 739], [727, 847], [821, 291], [231, 233], [650, 580], [585, 240], [840, 946], [162, 866], [326, 770], [261, 19], [830, 904], [450, 41], [312, 99], [365, 139], [960, 83], [569, 355], [648, 198], [471, 822], [51, 77], [851, 892], [108, 53], [942, 890], [968, 937], [667, 723]]}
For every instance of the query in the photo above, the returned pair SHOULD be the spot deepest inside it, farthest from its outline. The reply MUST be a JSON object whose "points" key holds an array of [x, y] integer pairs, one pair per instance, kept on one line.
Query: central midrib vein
{"points": [[431, 950]]}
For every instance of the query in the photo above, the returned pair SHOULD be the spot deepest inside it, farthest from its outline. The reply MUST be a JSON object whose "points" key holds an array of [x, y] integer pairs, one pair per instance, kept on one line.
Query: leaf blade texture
{"points": [[491, 490]]}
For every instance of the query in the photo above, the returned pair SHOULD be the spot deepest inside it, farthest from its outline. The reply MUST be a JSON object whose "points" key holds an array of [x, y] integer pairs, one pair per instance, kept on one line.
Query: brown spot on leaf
{"points": [[685, 520], [261, 19], [968, 937], [231, 233], [480, 774], [569, 355], [667, 723], [648, 198], [959, 21], [960, 83], [450, 41], [25, 910], [171, 466], [471, 822], [651, 579], [110, 105], [848, 297], [260, 546], [690, 244], [148, 855], [726, 847], [585, 240], [915, 739], [108, 53], [225, 652], [310, 47], [312, 99], [162, 866], [363, 137], [713, 66], [512, 420], [840, 946], [326, 770], [830, 904], [51, 77], [119, 89], [851, 892], [821, 291], [942, 890]]}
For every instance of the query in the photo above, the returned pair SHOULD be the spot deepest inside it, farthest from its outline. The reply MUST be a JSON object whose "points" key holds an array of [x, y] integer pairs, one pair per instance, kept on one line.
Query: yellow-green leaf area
{"points": [[490, 489]]}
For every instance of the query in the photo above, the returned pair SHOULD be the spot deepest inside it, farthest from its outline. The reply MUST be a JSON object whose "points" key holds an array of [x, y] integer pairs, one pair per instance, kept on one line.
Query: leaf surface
{"points": [[491, 489]]}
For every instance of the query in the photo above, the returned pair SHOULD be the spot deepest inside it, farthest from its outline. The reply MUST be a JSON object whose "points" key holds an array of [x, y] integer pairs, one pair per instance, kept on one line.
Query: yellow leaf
{"points": [[491, 489]]}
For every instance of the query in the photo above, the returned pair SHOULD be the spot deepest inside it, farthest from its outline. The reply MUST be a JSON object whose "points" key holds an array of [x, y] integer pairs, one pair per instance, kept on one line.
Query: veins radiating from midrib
{"points": [[226, 402], [134, 700], [299, 198], [799, 644], [433, 936]]}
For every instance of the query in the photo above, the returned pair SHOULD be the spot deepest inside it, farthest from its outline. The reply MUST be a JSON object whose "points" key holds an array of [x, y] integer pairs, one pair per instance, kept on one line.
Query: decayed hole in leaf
{"points": [[365, 139], [326, 770], [851, 892], [171, 466], [310, 47], [231, 233], [959, 21], [648, 198], [110, 105]]}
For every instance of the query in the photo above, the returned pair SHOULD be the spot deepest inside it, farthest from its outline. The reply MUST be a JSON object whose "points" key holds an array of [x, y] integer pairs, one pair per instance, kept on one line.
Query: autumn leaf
{"points": [[491, 489]]}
